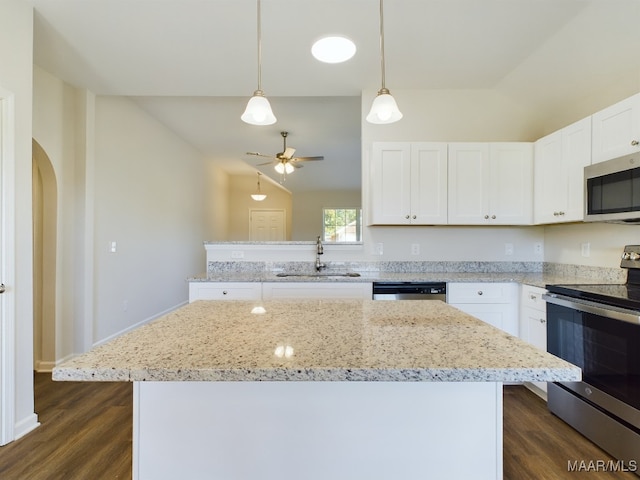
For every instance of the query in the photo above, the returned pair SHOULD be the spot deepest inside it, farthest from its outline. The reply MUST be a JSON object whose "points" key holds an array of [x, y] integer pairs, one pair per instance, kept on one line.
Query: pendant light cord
{"points": [[382, 44], [259, 48]]}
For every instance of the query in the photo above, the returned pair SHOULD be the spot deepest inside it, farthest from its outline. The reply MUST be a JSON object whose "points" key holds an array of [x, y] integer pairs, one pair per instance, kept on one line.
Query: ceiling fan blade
{"points": [[306, 159], [295, 165], [259, 154], [288, 153]]}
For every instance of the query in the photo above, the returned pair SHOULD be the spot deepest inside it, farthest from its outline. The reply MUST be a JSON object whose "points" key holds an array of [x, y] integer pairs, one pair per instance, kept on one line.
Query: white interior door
{"points": [[7, 386], [267, 225]]}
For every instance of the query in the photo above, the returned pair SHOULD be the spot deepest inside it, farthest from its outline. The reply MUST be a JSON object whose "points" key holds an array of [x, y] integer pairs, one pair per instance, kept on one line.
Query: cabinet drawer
{"points": [[532, 298], [224, 291], [481, 292], [328, 290]]}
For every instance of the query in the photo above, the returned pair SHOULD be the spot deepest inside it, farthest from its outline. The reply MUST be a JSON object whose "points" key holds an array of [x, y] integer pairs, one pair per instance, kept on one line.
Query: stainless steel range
{"points": [[597, 327]]}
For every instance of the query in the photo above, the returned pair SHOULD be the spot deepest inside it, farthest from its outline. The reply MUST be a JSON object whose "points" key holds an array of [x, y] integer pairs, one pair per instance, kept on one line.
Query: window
{"points": [[341, 225]]}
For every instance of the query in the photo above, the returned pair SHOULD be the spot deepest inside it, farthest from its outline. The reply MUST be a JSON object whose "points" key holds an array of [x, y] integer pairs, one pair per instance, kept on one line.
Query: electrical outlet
{"points": [[508, 248], [415, 249], [378, 248], [113, 247], [237, 254], [585, 249], [537, 248], [125, 305]]}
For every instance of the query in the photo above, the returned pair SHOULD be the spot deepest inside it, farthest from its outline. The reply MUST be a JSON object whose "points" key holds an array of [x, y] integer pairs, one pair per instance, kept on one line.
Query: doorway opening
{"points": [[45, 207]]}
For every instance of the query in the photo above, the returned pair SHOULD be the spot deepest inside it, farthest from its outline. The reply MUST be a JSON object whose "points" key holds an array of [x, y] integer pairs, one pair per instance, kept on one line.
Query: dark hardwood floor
{"points": [[86, 435]]}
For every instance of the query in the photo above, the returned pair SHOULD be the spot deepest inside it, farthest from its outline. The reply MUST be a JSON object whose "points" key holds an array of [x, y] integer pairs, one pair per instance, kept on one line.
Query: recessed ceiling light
{"points": [[333, 49]]}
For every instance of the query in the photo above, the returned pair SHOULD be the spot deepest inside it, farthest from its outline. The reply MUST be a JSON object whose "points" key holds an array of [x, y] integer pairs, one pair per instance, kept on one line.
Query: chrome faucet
{"points": [[319, 251]]}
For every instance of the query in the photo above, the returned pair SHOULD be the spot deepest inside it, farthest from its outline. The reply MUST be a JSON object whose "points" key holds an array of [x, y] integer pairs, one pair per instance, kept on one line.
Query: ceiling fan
{"points": [[284, 162]]}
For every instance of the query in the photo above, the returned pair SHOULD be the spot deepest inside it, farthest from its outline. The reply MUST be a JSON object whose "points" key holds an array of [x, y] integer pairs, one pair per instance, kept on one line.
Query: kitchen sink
{"points": [[318, 274]]}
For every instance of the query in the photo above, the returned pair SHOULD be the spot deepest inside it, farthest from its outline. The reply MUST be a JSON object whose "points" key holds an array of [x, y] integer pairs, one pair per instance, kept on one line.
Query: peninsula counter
{"points": [[317, 389]]}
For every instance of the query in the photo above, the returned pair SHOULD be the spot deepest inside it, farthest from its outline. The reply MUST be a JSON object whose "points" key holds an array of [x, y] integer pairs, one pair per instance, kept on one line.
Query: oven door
{"points": [[605, 343]]}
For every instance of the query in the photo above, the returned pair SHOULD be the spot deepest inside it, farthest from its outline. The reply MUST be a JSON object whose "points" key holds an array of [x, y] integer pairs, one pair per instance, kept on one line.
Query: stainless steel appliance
{"points": [[410, 291], [612, 190], [597, 327]]}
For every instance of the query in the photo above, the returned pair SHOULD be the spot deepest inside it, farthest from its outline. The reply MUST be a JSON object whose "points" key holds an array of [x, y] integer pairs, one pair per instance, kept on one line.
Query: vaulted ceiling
{"points": [[193, 63]]}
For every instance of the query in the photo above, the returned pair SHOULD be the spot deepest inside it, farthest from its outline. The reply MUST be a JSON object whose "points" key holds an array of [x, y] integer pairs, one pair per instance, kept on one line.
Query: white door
{"points": [[428, 183], [511, 190], [391, 183], [7, 336], [469, 183], [267, 225], [616, 130]]}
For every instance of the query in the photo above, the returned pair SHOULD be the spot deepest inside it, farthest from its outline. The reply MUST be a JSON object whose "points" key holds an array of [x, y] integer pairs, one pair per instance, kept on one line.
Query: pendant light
{"points": [[384, 108], [258, 111], [258, 196]]}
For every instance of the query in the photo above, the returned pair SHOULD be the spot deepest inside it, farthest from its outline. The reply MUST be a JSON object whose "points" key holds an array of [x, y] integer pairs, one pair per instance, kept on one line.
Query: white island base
{"points": [[317, 430]]}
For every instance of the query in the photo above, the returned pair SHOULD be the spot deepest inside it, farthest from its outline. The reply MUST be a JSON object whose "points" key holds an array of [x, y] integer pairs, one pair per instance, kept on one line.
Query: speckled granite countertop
{"points": [[528, 278], [317, 340]]}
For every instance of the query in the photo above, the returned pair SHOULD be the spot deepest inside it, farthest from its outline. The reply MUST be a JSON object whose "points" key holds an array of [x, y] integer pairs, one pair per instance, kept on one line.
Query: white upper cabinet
{"points": [[616, 130], [490, 183], [559, 164], [409, 183]]}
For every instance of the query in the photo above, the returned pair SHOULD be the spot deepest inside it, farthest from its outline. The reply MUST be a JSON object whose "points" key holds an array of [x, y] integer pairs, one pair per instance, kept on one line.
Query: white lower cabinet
{"points": [[336, 290], [533, 322], [493, 303], [224, 291]]}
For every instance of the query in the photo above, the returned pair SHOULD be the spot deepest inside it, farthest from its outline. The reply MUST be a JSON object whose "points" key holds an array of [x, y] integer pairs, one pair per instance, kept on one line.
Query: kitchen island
{"points": [[317, 389]]}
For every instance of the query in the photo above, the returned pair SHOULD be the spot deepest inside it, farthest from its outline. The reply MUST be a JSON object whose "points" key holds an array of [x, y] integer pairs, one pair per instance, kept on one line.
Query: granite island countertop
{"points": [[317, 340]]}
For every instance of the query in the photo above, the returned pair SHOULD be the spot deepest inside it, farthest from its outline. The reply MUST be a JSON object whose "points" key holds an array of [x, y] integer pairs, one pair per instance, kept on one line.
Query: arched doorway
{"points": [[45, 207]]}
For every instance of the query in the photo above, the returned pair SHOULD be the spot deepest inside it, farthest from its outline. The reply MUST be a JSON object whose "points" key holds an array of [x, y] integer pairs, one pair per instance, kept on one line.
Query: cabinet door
{"points": [[576, 154], [428, 183], [500, 315], [616, 130], [390, 184], [468, 183], [549, 183], [511, 190]]}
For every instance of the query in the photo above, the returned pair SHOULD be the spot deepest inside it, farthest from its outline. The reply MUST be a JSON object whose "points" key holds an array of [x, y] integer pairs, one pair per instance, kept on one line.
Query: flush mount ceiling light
{"points": [[384, 108], [258, 196], [258, 111], [333, 49]]}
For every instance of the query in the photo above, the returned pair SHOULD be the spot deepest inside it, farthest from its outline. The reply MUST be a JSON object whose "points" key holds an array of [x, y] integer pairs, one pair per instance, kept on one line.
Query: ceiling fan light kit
{"points": [[333, 49], [258, 111], [284, 162], [384, 108]]}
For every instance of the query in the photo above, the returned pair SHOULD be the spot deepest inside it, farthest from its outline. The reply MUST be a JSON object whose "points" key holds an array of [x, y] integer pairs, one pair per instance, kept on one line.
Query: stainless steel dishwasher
{"points": [[410, 291]]}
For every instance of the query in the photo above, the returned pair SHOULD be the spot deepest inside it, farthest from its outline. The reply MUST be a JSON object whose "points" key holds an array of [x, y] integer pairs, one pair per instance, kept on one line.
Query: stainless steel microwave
{"points": [[612, 190]]}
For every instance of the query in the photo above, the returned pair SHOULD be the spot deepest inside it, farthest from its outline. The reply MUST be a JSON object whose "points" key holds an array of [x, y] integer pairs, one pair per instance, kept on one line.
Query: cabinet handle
{"points": [[407, 217], [493, 217], [2, 288], [224, 292], [634, 143], [479, 292], [414, 217], [542, 320], [533, 297], [486, 217]]}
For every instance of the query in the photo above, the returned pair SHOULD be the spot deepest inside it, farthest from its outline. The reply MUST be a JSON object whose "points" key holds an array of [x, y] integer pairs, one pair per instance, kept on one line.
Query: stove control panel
{"points": [[631, 257]]}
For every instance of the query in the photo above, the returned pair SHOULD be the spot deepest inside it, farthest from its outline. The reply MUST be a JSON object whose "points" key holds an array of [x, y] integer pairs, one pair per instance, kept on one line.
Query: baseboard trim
{"points": [[44, 367], [26, 425]]}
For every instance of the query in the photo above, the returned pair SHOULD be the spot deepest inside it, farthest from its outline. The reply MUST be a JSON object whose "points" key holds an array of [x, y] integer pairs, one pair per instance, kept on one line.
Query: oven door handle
{"points": [[595, 308]]}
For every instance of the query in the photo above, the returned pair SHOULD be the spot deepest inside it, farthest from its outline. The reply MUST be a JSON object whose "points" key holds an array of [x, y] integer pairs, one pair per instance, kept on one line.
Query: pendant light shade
{"points": [[384, 108], [258, 111], [258, 196]]}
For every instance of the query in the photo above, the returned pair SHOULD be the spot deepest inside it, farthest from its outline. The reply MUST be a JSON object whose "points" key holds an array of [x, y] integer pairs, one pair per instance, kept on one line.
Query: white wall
{"points": [[54, 128], [149, 191], [16, 62]]}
